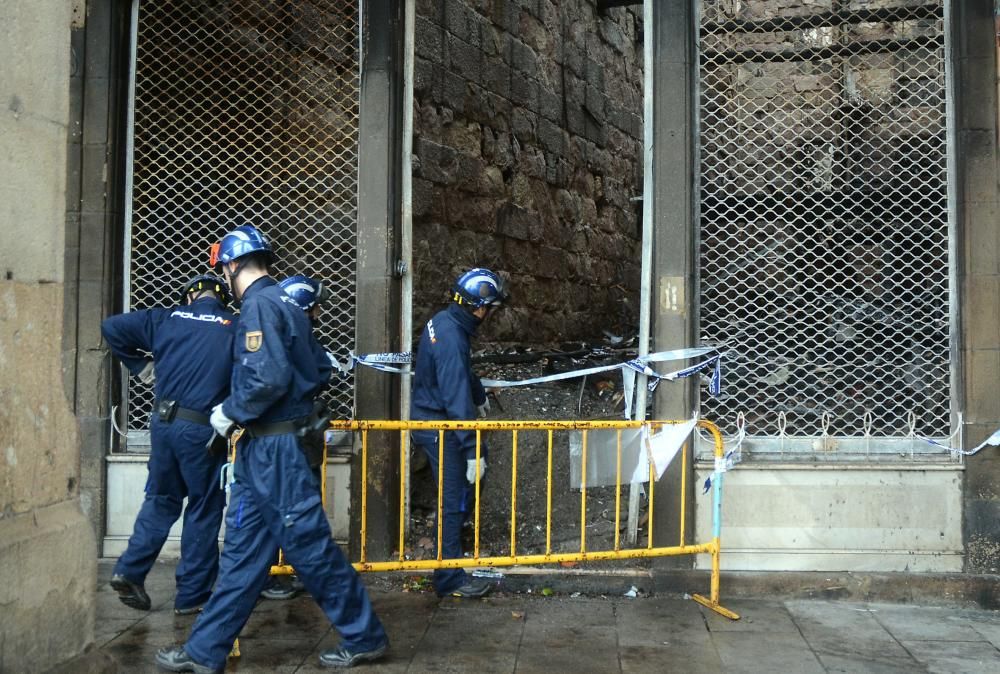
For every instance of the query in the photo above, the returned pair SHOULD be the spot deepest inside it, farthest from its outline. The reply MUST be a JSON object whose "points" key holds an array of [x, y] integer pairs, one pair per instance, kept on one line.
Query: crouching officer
{"points": [[275, 500], [445, 387], [190, 370]]}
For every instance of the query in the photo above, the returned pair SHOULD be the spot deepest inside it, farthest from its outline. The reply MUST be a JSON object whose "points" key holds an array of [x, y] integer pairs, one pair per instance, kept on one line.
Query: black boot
{"points": [[472, 589], [176, 659], [131, 594], [348, 657]]}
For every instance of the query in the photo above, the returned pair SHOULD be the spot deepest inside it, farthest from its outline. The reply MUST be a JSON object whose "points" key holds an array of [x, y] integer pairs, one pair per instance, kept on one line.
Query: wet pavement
{"points": [[528, 633]]}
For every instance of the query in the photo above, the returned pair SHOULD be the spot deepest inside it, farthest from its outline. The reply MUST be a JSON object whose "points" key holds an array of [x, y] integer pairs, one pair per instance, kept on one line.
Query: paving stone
{"points": [[765, 652], [924, 623], [845, 629], [955, 656], [844, 664], [672, 653], [568, 648], [755, 616]]}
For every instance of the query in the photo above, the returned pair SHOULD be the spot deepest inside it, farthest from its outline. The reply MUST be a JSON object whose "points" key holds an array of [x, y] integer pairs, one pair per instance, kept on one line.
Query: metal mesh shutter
{"points": [[824, 215], [246, 111]]}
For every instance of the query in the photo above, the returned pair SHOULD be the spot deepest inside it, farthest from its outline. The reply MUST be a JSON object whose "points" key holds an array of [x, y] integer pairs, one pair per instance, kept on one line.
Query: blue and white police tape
{"points": [[377, 361], [640, 364], [385, 362], [732, 451], [992, 441]]}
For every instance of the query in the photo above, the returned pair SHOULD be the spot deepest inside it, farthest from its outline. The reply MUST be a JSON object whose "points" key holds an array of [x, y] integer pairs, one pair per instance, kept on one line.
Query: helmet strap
{"points": [[234, 283]]}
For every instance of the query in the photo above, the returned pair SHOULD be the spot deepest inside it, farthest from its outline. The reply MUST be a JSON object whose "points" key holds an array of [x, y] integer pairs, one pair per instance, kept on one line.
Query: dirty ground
{"points": [[524, 633]]}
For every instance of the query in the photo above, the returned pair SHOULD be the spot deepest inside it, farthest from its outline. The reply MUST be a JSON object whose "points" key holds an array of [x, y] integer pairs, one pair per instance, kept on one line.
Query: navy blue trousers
{"points": [[275, 502], [179, 467], [459, 506]]}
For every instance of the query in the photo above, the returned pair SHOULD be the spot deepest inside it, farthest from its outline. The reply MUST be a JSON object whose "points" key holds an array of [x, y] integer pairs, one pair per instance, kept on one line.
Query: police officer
{"points": [[445, 387], [309, 295], [189, 345], [306, 293], [275, 500]]}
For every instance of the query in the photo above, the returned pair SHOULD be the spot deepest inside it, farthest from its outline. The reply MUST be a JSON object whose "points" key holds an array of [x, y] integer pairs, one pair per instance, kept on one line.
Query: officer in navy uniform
{"points": [[189, 345], [306, 293], [275, 500], [309, 295], [446, 388]]}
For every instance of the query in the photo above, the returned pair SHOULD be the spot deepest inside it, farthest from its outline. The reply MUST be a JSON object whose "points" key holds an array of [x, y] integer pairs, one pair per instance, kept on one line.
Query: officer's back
{"points": [[190, 346]]}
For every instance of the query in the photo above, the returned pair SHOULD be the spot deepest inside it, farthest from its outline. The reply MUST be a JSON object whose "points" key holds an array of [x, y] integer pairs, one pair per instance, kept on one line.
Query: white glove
{"points": [[470, 470], [147, 375], [220, 422], [484, 409]]}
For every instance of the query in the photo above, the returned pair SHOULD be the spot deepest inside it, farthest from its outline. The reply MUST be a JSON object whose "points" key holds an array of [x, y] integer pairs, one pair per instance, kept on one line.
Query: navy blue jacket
{"points": [[278, 366], [191, 347], [444, 385]]}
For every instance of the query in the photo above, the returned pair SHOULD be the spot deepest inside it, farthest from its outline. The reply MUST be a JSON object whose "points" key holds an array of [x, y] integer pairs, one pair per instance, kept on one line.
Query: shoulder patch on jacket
{"points": [[254, 339]]}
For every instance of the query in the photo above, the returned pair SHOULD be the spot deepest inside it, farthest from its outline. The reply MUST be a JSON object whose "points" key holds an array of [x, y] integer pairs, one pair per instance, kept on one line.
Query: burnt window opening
{"points": [[824, 218], [245, 112]]}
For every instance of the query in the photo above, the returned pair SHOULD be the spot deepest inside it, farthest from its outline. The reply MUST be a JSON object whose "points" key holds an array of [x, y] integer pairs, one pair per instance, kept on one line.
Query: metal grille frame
{"points": [[826, 221], [243, 112]]}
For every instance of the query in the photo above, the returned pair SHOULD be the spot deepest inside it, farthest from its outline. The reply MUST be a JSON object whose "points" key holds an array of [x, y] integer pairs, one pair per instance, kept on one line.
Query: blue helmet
{"points": [[480, 287], [203, 282], [243, 240], [305, 292]]}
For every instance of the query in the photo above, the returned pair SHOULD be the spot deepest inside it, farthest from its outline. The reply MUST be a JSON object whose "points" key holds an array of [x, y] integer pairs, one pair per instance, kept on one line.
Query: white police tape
{"points": [[640, 365], [629, 370], [730, 457], [376, 361], [992, 441], [382, 361]]}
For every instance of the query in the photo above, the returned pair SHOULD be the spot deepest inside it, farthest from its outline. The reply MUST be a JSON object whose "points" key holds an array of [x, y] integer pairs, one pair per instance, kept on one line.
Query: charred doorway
{"points": [[240, 112], [243, 112], [825, 220]]}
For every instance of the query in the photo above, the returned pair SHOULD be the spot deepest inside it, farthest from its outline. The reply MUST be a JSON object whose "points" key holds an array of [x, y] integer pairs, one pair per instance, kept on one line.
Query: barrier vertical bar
{"points": [[322, 475], [712, 601], [513, 494], [618, 494], [440, 504], [364, 496], [684, 463], [402, 495], [548, 502], [716, 535], [583, 496], [649, 520], [475, 550]]}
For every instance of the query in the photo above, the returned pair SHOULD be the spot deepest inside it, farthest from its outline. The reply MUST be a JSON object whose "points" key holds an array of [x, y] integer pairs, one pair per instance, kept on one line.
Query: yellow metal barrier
{"points": [[712, 547]]}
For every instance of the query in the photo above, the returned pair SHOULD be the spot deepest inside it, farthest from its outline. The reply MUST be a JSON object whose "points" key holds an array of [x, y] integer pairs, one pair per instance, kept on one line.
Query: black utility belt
{"points": [[168, 410], [292, 426]]}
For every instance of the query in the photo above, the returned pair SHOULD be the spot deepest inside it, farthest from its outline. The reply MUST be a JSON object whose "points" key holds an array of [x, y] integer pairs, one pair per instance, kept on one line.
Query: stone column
{"points": [[673, 283], [975, 49], [46, 544], [377, 289]]}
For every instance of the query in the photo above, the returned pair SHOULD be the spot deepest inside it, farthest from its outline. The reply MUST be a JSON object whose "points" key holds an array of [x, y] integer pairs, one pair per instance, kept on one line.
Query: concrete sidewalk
{"points": [[561, 633]]}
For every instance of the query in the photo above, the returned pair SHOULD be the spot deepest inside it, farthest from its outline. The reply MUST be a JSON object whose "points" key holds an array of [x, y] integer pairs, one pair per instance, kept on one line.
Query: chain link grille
{"points": [[824, 215], [246, 112]]}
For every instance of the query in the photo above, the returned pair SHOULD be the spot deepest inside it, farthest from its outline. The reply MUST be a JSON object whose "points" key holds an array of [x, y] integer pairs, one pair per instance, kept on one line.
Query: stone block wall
{"points": [[527, 156], [46, 543]]}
